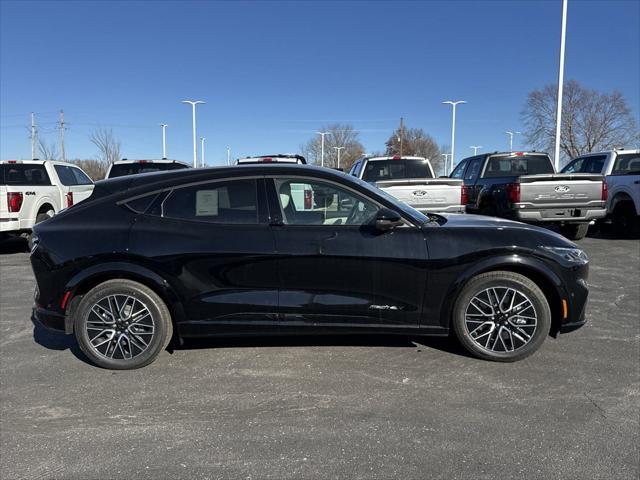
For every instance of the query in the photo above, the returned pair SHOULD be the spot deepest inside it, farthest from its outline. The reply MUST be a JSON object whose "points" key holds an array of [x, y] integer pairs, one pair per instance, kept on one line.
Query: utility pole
{"points": [[401, 134], [511, 134], [228, 155], [556, 158], [202, 139], [33, 136], [322, 134], [475, 148], [62, 155], [338, 150], [453, 103], [193, 104], [164, 140]]}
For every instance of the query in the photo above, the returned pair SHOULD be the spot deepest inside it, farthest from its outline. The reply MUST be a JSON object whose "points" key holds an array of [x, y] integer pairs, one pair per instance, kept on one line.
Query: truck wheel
{"points": [[575, 231], [122, 325], [624, 219], [501, 316]]}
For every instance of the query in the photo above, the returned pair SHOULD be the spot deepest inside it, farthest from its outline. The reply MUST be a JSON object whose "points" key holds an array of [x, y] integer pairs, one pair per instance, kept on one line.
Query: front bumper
{"points": [[556, 215]]}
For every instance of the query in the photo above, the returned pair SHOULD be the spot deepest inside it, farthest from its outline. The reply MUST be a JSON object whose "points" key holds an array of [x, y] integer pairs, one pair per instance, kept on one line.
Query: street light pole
{"points": [[338, 149], [322, 134], [202, 139], [475, 148], [445, 155], [193, 104], [164, 140], [228, 155], [563, 35], [511, 134], [453, 103]]}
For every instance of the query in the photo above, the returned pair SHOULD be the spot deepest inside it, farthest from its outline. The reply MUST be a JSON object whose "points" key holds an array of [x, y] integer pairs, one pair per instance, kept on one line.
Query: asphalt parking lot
{"points": [[373, 407]]}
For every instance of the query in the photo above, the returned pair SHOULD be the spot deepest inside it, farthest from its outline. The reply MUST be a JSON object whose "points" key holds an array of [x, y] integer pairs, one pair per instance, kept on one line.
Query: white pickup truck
{"points": [[622, 172], [412, 181], [34, 190]]}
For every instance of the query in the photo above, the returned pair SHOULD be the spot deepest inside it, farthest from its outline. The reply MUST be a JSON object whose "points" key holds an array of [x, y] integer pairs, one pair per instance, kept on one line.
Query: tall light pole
{"points": [[322, 134], [164, 140], [511, 134], [475, 148], [193, 104], [228, 155], [338, 150], [202, 139], [445, 155], [563, 35], [453, 103]]}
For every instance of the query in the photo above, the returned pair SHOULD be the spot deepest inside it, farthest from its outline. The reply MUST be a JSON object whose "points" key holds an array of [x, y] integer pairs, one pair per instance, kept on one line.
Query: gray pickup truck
{"points": [[412, 181], [524, 186]]}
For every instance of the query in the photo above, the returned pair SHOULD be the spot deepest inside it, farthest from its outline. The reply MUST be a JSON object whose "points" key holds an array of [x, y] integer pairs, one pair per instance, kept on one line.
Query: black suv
{"points": [[231, 251]]}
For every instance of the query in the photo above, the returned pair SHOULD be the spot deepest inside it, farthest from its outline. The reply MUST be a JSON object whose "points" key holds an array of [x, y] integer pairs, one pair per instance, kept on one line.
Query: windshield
{"points": [[401, 206], [380, 170], [122, 169], [516, 165]]}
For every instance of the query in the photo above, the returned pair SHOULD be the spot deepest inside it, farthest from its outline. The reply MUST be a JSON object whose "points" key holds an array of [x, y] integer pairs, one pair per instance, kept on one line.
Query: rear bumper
{"points": [[9, 225], [49, 319], [440, 209], [557, 215]]}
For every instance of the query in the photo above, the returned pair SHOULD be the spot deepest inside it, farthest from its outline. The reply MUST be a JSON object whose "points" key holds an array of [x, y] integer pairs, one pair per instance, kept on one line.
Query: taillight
{"points": [[513, 192], [605, 191], [464, 195], [14, 201], [266, 159], [396, 157], [69, 199], [307, 199]]}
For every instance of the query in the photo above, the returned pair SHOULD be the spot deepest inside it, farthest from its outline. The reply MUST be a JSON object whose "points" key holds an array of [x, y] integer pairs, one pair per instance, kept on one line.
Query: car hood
{"points": [[514, 229]]}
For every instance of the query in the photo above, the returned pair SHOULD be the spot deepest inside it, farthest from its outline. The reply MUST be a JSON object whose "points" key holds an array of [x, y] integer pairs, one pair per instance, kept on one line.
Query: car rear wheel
{"points": [[122, 324], [501, 316], [624, 219], [575, 231]]}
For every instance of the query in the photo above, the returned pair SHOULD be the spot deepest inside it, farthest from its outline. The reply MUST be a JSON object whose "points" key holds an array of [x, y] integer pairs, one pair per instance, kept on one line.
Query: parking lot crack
{"points": [[600, 409]]}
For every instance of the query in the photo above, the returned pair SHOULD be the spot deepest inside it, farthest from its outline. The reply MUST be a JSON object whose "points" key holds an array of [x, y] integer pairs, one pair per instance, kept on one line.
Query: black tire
{"points": [[158, 321], [624, 219], [575, 231], [501, 281]]}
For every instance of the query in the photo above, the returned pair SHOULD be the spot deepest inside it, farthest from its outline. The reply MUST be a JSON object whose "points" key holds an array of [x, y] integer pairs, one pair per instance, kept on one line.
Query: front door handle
{"points": [[326, 239]]}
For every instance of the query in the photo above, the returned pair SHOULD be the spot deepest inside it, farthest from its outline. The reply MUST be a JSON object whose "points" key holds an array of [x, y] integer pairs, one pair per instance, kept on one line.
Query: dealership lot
{"points": [[373, 407]]}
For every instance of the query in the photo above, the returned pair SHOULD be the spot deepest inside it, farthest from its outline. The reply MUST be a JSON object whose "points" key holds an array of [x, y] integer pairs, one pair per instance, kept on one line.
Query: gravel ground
{"points": [[342, 407]]}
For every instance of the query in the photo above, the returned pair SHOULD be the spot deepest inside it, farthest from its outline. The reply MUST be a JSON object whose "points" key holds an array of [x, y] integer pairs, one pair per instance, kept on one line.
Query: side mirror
{"points": [[387, 219]]}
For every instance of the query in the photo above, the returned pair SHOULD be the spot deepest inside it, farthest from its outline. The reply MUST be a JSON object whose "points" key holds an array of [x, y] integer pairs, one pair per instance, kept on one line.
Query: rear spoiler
{"points": [[419, 181], [561, 177]]}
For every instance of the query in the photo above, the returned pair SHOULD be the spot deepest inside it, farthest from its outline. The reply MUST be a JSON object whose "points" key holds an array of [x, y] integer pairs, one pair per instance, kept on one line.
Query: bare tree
{"points": [[108, 145], [591, 120], [96, 169], [47, 151], [341, 135], [415, 142]]}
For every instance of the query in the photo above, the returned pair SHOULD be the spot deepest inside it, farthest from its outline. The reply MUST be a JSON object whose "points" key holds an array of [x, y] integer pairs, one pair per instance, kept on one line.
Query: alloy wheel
{"points": [[119, 327], [501, 319]]}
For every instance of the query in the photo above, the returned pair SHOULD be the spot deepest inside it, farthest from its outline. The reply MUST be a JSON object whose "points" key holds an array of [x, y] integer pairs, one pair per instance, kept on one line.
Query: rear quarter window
{"points": [[24, 174]]}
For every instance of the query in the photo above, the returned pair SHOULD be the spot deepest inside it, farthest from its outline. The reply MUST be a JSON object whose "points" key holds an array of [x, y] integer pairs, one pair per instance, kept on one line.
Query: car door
{"points": [[335, 269], [213, 240]]}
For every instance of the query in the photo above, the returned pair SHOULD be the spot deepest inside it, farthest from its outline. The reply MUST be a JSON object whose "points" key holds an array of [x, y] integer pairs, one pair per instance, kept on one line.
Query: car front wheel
{"points": [[122, 324], [501, 316]]}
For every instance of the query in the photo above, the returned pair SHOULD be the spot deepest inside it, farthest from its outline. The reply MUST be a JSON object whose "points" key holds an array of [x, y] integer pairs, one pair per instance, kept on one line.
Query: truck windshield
{"points": [[123, 169], [380, 170], [516, 165]]}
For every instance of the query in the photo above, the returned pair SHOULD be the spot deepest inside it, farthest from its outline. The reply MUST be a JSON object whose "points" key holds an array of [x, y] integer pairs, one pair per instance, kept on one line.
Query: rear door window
{"points": [[24, 174], [627, 164], [473, 170], [231, 202], [592, 164], [65, 175], [458, 172]]}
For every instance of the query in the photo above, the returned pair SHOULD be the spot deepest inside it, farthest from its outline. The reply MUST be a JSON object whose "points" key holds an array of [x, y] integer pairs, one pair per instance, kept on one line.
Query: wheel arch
{"points": [[84, 281], [530, 267]]}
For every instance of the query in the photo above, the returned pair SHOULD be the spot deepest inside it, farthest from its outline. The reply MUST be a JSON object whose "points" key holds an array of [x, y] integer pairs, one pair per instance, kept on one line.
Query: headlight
{"points": [[571, 255]]}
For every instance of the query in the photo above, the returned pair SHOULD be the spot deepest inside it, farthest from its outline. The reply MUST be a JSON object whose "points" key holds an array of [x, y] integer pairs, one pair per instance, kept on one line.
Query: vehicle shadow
{"points": [[54, 340], [13, 245]]}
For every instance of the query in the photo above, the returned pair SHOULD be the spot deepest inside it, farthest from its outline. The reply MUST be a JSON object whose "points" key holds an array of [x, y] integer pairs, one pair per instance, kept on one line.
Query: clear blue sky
{"points": [[273, 72]]}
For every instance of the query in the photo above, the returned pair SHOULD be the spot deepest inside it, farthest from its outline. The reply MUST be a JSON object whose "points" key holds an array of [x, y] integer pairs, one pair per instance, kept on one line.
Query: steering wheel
{"points": [[357, 217]]}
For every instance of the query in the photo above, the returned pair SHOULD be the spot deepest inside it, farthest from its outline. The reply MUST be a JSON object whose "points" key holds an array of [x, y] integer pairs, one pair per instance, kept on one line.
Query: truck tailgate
{"points": [[425, 193], [561, 190]]}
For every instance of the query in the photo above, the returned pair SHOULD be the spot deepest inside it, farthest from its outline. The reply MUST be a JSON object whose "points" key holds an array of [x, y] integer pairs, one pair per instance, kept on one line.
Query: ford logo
{"points": [[562, 189], [419, 193]]}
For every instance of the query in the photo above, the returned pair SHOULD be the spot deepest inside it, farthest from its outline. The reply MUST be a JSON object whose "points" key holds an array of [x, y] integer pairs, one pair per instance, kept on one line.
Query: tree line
{"points": [[591, 121]]}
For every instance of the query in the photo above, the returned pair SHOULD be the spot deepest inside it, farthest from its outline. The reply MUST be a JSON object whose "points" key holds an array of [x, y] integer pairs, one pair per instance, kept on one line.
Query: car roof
{"points": [[161, 160], [36, 162], [394, 157]]}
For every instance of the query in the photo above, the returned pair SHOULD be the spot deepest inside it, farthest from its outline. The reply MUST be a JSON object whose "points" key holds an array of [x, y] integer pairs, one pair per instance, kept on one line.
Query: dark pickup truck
{"points": [[523, 186]]}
